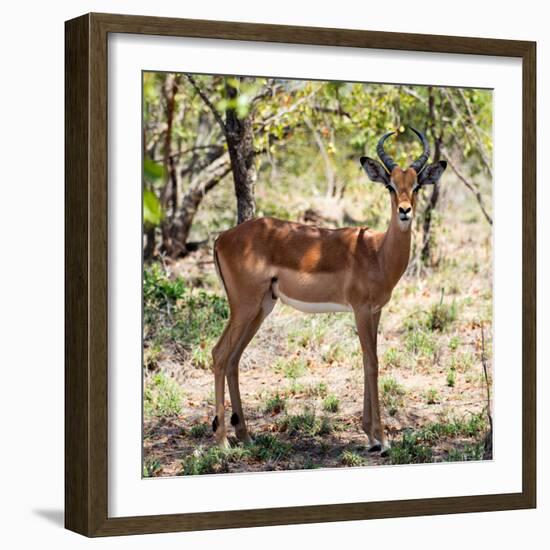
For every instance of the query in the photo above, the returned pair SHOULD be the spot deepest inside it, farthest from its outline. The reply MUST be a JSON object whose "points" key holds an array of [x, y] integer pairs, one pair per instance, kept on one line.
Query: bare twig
{"points": [[489, 436], [288, 110], [469, 185], [412, 93], [207, 102], [183, 152], [329, 172]]}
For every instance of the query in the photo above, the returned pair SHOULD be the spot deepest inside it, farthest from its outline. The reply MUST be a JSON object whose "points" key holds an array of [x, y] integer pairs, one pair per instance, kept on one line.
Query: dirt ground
{"points": [[301, 378]]}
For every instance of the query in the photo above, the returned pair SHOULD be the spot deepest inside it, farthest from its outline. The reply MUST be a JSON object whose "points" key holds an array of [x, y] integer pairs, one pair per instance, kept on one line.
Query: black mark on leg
{"points": [[215, 423], [234, 419], [273, 281]]}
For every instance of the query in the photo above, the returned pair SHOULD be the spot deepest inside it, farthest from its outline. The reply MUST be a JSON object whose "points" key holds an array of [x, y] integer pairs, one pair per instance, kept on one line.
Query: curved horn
{"points": [[419, 163], [389, 163]]}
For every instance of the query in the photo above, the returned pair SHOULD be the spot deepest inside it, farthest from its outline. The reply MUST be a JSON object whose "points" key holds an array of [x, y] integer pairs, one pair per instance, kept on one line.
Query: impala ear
{"points": [[432, 173], [375, 170]]}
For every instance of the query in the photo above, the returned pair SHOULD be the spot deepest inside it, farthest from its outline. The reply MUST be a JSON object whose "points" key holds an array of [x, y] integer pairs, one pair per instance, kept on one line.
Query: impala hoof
{"points": [[375, 448]]}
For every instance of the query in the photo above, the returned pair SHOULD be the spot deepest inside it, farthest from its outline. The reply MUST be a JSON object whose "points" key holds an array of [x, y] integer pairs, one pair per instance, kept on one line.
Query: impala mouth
{"points": [[404, 221]]}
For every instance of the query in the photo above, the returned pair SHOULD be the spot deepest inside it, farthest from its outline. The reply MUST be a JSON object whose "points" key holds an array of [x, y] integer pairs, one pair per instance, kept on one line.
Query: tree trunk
{"points": [[169, 191], [149, 248], [240, 143], [204, 182], [427, 240]]}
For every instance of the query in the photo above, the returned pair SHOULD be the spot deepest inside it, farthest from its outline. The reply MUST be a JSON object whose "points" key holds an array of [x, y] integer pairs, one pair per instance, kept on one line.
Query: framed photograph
{"points": [[300, 275]]}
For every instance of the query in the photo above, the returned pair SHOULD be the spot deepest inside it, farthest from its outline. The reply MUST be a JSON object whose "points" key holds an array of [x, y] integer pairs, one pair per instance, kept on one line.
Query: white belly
{"points": [[313, 307]]}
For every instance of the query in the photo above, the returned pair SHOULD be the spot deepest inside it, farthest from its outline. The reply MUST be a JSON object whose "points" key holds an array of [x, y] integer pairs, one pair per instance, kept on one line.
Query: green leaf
{"points": [[152, 170], [152, 210]]}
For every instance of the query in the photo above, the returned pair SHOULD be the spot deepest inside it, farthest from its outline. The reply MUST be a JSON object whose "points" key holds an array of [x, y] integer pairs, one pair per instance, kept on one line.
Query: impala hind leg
{"points": [[243, 323], [252, 327], [219, 355]]}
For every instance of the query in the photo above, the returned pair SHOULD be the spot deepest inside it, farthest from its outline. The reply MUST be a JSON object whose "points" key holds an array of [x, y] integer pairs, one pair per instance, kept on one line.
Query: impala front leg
{"points": [[367, 328]]}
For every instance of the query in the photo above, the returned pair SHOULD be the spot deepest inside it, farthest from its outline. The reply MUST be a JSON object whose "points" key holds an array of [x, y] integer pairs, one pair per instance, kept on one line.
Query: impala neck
{"points": [[396, 248]]}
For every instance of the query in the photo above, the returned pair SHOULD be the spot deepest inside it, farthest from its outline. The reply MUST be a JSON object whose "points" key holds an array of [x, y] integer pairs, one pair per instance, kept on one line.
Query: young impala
{"points": [[317, 270]]}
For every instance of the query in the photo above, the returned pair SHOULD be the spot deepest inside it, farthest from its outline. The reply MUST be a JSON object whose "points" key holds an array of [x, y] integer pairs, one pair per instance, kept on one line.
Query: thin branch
{"points": [[412, 93], [329, 172], [207, 102], [469, 185], [472, 126], [484, 363], [288, 110], [489, 436], [183, 152]]}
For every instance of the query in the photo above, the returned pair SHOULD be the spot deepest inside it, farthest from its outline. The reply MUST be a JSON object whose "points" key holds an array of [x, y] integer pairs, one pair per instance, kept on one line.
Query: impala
{"points": [[317, 270]]}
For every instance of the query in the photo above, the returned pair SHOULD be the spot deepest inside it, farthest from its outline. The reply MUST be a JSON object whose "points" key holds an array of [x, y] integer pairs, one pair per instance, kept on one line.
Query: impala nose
{"points": [[404, 212]]}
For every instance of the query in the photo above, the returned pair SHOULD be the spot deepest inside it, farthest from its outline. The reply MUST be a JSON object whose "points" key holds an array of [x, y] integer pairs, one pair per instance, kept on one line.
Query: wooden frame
{"points": [[86, 274]]}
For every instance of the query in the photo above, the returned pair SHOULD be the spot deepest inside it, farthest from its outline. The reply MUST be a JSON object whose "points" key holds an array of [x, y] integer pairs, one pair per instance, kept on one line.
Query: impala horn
{"points": [[419, 163], [389, 163]]}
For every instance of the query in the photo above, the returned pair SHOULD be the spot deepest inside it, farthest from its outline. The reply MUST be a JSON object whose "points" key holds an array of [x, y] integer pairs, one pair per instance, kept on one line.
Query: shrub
{"points": [[410, 450], [292, 369], [275, 404], [306, 423], [199, 430], [451, 377], [151, 467], [391, 394], [432, 397], [213, 460], [269, 447], [331, 403], [349, 458]]}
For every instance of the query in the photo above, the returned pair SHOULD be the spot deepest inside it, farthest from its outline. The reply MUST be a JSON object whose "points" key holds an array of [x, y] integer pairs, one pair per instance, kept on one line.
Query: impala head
{"points": [[403, 184]]}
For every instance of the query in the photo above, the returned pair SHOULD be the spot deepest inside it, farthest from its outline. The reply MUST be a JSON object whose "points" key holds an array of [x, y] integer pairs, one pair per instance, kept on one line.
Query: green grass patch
{"points": [[318, 390], [307, 423], [274, 404], [212, 461], [175, 314], [420, 343], [268, 447], [291, 369], [441, 316], [393, 358], [199, 430], [416, 446], [470, 426], [159, 288], [451, 377], [331, 403], [392, 394], [432, 396], [151, 467], [349, 458], [265, 448], [334, 353], [161, 396], [466, 453], [454, 342], [410, 449]]}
